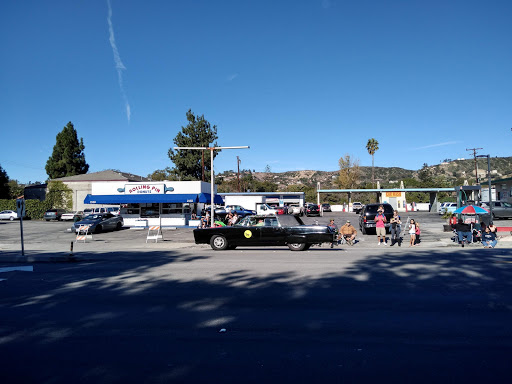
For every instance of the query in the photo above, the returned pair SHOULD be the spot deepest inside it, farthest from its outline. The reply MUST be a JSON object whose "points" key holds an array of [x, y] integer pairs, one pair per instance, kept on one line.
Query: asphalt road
{"points": [[261, 315]]}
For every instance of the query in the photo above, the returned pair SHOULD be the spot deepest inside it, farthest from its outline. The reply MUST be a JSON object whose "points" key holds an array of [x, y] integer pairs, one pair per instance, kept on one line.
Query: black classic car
{"points": [[265, 231]]}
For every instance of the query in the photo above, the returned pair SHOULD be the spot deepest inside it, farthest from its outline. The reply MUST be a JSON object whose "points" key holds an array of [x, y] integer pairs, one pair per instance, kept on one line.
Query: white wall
{"points": [[248, 202], [180, 187]]}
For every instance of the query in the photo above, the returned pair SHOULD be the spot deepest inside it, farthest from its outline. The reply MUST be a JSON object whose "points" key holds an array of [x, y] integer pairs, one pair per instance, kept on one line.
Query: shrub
{"points": [[35, 209]]}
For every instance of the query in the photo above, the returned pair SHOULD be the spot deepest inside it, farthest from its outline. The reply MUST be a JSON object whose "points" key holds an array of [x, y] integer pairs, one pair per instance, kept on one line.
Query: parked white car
{"points": [[296, 209], [8, 215], [448, 207], [72, 215]]}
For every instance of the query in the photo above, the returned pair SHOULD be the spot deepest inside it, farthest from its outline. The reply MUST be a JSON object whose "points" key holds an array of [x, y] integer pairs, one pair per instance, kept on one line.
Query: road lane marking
{"points": [[29, 268]]}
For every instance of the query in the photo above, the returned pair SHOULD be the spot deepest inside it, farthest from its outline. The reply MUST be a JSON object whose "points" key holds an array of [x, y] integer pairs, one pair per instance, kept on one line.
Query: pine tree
{"points": [[68, 158], [4, 184], [187, 162]]}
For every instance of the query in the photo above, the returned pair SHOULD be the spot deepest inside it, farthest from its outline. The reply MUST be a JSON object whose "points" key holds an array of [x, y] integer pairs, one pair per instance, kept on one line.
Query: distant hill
{"points": [[452, 170]]}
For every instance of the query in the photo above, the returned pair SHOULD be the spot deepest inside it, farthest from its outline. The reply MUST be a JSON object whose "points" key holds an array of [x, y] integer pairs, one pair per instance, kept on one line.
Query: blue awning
{"points": [[207, 198], [152, 198]]}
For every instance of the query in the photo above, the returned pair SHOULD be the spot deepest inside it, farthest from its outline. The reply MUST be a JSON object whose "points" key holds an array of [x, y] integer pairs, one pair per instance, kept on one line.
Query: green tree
{"points": [[187, 162], [68, 158], [160, 175], [15, 189], [4, 184], [59, 195], [426, 176], [372, 146], [350, 172]]}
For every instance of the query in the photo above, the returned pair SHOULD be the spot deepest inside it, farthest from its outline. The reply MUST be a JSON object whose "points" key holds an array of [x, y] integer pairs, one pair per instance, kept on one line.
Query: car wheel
{"points": [[297, 246], [119, 226], [11, 218], [363, 230], [98, 229], [219, 243]]}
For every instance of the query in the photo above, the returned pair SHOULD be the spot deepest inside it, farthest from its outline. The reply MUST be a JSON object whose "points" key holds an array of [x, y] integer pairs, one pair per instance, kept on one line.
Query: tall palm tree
{"points": [[372, 146]]}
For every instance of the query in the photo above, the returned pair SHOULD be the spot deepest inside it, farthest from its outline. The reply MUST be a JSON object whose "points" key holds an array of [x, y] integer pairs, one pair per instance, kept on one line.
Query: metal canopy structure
{"points": [[432, 190]]}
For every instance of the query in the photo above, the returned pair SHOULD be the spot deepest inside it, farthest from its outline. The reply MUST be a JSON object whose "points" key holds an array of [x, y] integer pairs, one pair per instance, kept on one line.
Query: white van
{"points": [[113, 210]]}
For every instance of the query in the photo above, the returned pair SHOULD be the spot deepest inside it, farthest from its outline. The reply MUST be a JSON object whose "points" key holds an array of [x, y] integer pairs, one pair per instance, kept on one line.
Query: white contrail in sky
{"points": [[438, 145], [117, 59]]}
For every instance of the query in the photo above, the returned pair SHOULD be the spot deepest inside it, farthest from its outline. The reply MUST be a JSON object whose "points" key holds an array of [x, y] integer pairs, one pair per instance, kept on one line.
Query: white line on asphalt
{"points": [[29, 268]]}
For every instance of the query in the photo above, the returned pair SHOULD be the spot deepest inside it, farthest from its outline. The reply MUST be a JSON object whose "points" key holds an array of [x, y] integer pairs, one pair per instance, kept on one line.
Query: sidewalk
{"points": [[127, 243]]}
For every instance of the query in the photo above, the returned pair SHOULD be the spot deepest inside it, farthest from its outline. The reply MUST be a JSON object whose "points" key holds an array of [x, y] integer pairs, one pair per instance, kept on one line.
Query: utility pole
{"points": [[202, 165], [476, 165], [212, 178], [238, 161]]}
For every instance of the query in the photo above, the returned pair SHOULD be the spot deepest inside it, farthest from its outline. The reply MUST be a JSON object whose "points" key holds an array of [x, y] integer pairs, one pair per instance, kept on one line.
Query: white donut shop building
{"points": [[165, 203]]}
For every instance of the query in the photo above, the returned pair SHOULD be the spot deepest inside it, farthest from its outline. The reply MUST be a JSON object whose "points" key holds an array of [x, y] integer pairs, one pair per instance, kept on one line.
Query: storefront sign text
{"points": [[131, 189]]}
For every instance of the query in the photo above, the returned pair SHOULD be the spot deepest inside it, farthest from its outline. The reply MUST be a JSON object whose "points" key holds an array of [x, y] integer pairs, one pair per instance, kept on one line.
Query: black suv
{"points": [[367, 218], [312, 210]]}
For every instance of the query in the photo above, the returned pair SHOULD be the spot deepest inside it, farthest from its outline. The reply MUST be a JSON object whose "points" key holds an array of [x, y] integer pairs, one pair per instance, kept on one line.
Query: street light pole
{"points": [[490, 184], [212, 212]]}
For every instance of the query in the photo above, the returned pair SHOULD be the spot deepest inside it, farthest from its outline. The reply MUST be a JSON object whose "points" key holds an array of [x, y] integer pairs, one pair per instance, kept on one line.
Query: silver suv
{"points": [[500, 209]]}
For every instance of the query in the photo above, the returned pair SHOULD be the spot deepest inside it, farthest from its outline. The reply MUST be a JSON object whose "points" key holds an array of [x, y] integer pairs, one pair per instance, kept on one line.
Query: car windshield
{"points": [[93, 217]]}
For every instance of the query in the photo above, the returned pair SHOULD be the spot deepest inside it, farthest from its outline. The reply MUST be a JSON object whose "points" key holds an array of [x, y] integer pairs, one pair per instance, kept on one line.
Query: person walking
{"points": [[396, 226], [412, 232], [380, 225]]}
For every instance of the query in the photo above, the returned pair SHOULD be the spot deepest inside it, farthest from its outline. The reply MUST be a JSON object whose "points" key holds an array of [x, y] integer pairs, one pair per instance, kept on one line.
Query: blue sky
{"points": [[301, 82]]}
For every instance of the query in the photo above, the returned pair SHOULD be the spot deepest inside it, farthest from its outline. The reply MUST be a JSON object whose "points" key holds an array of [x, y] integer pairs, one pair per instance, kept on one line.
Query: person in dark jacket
{"points": [[489, 238], [464, 230]]}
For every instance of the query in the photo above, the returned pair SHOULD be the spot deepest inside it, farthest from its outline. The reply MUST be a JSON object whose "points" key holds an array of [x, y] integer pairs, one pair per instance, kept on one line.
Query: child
{"points": [[418, 232], [489, 238], [412, 232]]}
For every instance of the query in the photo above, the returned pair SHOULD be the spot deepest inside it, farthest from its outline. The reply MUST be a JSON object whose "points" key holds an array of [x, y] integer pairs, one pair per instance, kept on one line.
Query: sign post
{"points": [[212, 179], [20, 207]]}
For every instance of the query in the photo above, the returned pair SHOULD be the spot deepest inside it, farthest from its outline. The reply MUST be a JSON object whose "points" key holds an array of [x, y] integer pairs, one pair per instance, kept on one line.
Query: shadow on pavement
{"points": [[412, 317]]}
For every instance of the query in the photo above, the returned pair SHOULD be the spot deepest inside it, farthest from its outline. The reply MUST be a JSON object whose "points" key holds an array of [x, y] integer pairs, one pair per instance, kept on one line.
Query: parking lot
{"points": [[55, 237]]}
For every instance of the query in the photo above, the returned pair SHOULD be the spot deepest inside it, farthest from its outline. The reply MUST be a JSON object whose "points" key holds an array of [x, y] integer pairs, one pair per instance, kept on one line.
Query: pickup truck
{"points": [[265, 209], [357, 207]]}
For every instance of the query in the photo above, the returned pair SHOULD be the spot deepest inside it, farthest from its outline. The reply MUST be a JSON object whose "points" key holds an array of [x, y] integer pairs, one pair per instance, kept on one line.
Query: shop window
{"points": [[149, 210], [130, 209], [172, 208]]}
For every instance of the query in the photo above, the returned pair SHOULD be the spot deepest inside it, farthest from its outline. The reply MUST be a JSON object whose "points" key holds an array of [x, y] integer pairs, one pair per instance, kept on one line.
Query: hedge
{"points": [[35, 209]]}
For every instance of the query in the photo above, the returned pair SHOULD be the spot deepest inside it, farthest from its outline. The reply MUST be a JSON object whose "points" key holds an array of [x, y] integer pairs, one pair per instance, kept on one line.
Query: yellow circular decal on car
{"points": [[248, 234]]}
